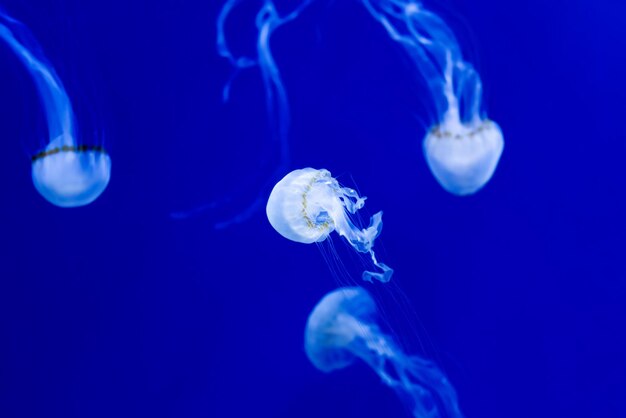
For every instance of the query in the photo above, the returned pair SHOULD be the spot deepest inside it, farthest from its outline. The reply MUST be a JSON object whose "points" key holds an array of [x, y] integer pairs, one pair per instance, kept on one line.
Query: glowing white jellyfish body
{"points": [[342, 328], [65, 173], [463, 148], [463, 158], [69, 176], [308, 204]]}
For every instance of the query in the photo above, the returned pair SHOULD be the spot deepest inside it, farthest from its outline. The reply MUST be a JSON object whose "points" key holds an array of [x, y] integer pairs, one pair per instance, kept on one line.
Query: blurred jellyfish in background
{"points": [[65, 172], [342, 328], [308, 204], [463, 147]]}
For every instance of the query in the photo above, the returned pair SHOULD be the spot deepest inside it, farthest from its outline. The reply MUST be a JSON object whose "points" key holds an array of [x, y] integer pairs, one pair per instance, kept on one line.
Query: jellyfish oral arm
{"points": [[363, 240]]}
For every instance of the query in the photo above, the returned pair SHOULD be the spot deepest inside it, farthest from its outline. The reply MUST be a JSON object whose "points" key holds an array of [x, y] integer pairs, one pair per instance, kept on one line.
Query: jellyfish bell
{"points": [[71, 176], [335, 327], [308, 204], [463, 157], [342, 328], [299, 206]]}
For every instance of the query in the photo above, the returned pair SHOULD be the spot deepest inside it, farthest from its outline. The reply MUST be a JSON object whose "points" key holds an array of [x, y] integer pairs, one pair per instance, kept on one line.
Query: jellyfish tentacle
{"points": [[276, 96], [362, 240], [398, 30], [238, 63]]}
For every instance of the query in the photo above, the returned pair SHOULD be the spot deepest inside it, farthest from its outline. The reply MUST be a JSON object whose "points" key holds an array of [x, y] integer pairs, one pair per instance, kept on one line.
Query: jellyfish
{"points": [[308, 204], [65, 172], [463, 147], [342, 328]]}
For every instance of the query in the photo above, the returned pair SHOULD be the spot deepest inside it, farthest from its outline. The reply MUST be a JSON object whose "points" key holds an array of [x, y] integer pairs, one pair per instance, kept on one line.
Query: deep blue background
{"points": [[116, 310]]}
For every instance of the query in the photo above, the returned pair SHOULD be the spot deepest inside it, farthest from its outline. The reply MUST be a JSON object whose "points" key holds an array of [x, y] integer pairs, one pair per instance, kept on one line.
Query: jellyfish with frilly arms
{"points": [[308, 204], [342, 328], [65, 172], [463, 147]]}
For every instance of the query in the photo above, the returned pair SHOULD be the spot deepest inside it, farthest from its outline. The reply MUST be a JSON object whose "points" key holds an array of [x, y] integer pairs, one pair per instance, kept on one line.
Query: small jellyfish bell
{"points": [[334, 332], [308, 204], [68, 175], [65, 173], [463, 157], [342, 328]]}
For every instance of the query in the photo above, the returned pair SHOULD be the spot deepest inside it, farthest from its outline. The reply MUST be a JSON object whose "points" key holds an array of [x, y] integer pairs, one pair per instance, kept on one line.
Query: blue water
{"points": [[118, 310]]}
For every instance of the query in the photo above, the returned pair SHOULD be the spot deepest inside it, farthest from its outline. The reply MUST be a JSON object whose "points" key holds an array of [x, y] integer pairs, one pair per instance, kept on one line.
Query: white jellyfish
{"points": [[65, 172], [308, 204], [463, 147], [342, 328]]}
